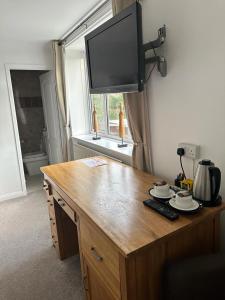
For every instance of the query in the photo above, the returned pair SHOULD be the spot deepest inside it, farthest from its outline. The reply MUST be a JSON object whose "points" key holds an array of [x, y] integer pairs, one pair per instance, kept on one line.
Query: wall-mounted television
{"points": [[114, 51]]}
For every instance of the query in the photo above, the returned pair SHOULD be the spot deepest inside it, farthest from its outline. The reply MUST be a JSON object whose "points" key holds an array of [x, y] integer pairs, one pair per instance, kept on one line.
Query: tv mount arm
{"points": [[160, 60]]}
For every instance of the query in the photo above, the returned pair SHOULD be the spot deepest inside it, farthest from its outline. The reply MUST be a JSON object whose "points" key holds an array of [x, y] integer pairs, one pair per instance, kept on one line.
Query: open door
{"points": [[52, 118]]}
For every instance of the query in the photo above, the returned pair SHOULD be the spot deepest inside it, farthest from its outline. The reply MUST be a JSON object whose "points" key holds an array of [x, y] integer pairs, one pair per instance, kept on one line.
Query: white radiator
{"points": [[80, 151]]}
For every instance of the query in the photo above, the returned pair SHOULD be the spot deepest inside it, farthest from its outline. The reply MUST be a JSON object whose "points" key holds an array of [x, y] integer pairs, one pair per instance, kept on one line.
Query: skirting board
{"points": [[12, 196]]}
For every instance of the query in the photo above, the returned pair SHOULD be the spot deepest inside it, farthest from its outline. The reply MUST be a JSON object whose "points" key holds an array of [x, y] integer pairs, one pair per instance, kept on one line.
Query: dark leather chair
{"points": [[199, 278]]}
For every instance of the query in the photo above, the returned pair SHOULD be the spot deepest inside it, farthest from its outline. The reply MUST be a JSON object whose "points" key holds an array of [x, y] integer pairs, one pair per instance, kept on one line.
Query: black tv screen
{"points": [[115, 54]]}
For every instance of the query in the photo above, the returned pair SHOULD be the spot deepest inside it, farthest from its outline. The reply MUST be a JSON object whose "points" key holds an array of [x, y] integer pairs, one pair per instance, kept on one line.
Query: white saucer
{"points": [[154, 194], [173, 203]]}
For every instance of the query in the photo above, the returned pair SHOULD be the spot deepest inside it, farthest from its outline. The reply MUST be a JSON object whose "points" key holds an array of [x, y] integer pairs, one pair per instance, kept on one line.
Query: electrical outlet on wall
{"points": [[190, 150]]}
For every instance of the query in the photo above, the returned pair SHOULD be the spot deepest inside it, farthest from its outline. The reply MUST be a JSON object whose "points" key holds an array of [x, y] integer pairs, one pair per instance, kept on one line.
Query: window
{"points": [[80, 101], [76, 77], [107, 108], [99, 102]]}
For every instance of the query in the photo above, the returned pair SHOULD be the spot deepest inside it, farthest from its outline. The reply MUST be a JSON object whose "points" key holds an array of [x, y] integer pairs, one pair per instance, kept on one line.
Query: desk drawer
{"points": [[64, 206], [102, 255]]}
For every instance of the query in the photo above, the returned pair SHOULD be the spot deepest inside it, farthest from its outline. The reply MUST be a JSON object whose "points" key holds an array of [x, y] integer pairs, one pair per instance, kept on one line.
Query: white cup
{"points": [[162, 189], [183, 199]]}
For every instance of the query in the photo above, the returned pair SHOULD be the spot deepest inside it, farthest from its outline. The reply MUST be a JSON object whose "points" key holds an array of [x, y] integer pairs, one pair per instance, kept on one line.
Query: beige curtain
{"points": [[59, 53], [137, 111]]}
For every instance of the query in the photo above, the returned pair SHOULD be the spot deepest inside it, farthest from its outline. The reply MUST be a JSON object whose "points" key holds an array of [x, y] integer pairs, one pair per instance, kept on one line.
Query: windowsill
{"points": [[105, 145]]}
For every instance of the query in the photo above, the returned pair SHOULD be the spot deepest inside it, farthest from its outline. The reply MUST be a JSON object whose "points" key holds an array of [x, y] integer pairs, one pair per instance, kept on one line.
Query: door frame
{"points": [[8, 68]]}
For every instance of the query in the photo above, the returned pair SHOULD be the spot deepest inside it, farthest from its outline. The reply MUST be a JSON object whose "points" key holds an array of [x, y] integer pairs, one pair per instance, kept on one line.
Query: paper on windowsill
{"points": [[94, 162]]}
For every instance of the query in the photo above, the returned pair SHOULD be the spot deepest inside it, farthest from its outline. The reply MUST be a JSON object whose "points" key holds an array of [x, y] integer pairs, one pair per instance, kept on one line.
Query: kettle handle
{"points": [[215, 173]]}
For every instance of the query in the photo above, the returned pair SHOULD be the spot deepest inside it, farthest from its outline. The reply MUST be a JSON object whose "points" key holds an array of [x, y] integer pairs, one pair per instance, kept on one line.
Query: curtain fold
{"points": [[137, 111], [59, 67]]}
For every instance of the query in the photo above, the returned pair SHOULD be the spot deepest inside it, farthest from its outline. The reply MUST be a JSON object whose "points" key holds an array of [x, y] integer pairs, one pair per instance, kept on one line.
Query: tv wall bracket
{"points": [[160, 60]]}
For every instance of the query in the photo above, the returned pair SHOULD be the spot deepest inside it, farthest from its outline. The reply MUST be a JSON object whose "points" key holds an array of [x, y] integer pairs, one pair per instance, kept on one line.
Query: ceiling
{"points": [[40, 20]]}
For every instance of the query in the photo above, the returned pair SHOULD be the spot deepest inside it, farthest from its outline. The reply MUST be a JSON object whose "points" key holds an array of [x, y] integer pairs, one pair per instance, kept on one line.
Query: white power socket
{"points": [[190, 150]]}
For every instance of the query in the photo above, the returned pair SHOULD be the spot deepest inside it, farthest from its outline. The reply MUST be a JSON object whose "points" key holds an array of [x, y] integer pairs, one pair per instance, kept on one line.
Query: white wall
{"points": [[189, 104], [14, 53]]}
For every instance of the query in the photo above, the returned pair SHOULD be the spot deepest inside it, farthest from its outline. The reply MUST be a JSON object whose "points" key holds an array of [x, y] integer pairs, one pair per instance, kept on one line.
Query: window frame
{"points": [[106, 132]]}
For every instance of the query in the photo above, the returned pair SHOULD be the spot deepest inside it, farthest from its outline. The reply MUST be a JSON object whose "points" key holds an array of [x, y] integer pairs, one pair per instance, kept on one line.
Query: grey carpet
{"points": [[29, 267]]}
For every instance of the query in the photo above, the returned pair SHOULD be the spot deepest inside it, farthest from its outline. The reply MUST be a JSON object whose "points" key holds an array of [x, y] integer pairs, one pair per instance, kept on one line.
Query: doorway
{"points": [[34, 109], [30, 120]]}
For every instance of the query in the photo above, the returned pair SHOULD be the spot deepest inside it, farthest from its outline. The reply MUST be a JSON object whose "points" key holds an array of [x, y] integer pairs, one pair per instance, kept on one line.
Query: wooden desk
{"points": [[123, 245]]}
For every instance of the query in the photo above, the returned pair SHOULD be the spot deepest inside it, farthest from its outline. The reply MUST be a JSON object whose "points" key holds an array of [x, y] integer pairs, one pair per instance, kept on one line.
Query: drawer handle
{"points": [[45, 187], [95, 254], [61, 203]]}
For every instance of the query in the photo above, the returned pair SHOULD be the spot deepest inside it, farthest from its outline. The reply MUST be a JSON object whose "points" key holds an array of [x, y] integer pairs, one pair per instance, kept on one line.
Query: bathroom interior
{"points": [[31, 121]]}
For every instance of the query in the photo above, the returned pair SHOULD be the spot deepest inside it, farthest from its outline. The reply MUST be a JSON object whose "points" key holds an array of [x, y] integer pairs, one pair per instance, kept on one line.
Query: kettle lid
{"points": [[206, 162]]}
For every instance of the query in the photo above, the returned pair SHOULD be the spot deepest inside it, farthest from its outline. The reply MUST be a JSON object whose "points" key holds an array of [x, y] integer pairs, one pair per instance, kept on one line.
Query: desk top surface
{"points": [[112, 195]]}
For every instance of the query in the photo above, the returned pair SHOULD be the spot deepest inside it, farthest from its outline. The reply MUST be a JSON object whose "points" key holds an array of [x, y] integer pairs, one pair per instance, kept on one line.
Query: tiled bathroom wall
{"points": [[29, 108]]}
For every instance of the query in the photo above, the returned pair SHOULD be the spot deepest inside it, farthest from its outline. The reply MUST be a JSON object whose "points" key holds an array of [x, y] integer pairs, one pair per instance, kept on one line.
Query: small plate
{"points": [[155, 195], [195, 206]]}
